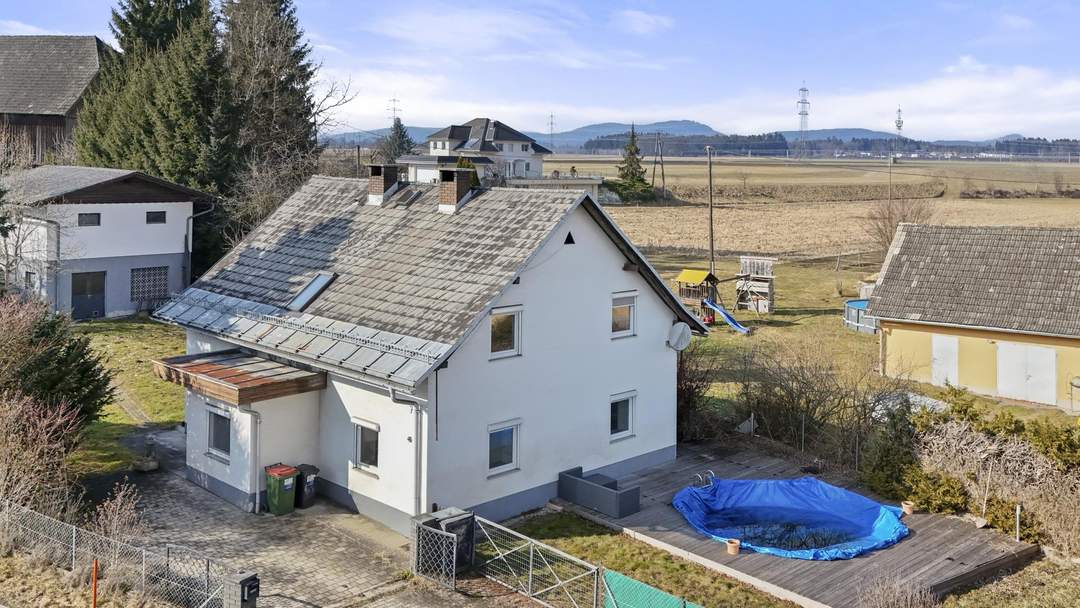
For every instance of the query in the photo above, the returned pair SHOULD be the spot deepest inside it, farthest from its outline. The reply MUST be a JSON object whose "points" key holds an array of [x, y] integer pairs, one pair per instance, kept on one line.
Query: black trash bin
{"points": [[305, 493]]}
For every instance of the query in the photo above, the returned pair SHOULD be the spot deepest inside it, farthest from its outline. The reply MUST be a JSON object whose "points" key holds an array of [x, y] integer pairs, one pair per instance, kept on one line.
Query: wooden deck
{"points": [[940, 552]]}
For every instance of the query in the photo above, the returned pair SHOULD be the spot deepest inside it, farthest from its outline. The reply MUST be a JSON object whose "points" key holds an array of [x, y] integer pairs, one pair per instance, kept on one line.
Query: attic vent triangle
{"points": [[569, 239]]}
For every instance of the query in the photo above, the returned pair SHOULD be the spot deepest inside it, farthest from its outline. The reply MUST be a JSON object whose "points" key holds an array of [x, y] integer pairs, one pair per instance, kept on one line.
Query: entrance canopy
{"points": [[237, 377]]}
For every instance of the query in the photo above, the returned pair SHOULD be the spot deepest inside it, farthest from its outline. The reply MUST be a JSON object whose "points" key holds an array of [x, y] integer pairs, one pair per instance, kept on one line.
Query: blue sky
{"points": [[959, 69]]}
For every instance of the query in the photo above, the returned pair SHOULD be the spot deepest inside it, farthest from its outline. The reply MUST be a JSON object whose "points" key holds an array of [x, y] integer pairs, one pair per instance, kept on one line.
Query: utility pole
{"points": [[663, 174], [357, 160], [655, 157], [712, 249]]}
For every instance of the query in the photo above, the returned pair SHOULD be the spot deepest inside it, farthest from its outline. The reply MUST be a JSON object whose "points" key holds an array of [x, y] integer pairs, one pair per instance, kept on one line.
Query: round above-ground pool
{"points": [[799, 518]]}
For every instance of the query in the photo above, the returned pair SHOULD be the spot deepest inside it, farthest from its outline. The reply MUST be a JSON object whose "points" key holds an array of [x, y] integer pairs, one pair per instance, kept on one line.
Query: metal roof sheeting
{"points": [[322, 342]]}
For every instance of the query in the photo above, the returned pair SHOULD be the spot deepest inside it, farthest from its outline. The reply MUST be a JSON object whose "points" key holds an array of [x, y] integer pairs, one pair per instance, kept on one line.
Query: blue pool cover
{"points": [[798, 518]]}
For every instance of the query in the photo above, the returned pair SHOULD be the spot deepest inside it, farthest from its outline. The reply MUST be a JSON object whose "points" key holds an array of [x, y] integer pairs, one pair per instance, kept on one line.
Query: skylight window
{"points": [[308, 294]]}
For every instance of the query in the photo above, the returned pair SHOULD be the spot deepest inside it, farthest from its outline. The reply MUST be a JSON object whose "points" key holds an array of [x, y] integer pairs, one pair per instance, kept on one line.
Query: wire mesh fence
{"points": [[177, 576], [535, 570], [434, 555], [540, 572]]}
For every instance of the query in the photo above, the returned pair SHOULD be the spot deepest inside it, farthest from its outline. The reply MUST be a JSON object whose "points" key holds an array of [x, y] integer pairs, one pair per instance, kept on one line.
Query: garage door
{"points": [[944, 362], [1027, 372], [87, 295]]}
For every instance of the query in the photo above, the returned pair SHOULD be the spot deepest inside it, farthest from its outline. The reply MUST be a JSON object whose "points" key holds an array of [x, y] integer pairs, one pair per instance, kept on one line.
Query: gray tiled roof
{"points": [[1012, 278], [479, 134], [46, 74], [48, 182], [406, 274]]}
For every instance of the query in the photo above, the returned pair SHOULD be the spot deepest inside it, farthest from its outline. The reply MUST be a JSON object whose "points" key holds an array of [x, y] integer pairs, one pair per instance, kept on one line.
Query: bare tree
{"points": [[887, 215], [35, 445]]}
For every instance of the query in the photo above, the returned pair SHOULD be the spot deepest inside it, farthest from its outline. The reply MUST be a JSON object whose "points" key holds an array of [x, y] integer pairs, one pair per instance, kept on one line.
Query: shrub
{"points": [[697, 368], [890, 452], [962, 405], [1001, 514], [46, 360], [1002, 424], [935, 492], [1057, 441]]}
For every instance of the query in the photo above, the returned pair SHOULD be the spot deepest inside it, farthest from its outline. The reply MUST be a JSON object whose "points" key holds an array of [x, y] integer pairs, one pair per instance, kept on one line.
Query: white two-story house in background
{"points": [[97, 242], [493, 147], [427, 345]]}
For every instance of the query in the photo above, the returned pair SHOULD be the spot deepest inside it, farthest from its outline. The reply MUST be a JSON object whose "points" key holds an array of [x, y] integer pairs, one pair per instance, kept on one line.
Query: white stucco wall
{"points": [[344, 403], [236, 470], [560, 386], [123, 230]]}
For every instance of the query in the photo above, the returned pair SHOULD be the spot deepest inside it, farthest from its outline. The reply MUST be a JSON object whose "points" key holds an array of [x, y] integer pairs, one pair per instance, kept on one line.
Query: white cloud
{"points": [[640, 22], [1012, 21], [18, 28], [966, 63]]}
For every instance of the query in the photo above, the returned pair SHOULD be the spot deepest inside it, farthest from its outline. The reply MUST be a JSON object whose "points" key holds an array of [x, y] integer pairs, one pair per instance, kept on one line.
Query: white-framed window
{"points": [[30, 280], [366, 444], [524, 147], [155, 217], [505, 332], [623, 314], [528, 166], [503, 440], [622, 415], [219, 432], [89, 219], [499, 146]]}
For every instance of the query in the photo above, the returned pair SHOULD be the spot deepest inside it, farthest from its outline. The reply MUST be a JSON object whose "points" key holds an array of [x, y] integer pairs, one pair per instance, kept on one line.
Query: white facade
{"points": [[513, 158], [556, 393], [116, 239]]}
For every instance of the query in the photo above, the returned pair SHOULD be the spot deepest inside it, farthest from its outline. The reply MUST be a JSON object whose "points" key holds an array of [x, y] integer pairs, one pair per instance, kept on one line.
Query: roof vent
{"points": [[455, 188], [382, 183]]}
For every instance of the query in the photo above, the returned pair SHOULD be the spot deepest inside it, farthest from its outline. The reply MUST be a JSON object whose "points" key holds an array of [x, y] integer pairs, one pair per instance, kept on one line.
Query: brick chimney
{"points": [[455, 187], [382, 183]]}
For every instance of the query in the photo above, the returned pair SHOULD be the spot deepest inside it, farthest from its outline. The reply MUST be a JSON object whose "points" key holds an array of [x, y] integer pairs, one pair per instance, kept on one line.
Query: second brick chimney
{"points": [[382, 183], [455, 187]]}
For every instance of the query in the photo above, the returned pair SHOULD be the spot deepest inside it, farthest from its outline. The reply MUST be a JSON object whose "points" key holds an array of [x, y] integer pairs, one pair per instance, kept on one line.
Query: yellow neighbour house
{"points": [[995, 310]]}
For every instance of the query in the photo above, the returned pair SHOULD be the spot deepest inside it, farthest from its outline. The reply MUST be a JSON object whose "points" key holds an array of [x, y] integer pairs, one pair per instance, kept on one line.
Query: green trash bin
{"points": [[280, 488]]}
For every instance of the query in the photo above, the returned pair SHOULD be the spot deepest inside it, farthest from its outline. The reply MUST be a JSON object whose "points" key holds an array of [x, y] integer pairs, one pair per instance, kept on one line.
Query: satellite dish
{"points": [[679, 336]]}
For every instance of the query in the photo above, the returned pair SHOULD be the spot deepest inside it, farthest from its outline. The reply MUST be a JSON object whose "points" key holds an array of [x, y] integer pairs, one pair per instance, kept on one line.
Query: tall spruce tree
{"points": [[396, 143], [631, 171], [140, 25]]}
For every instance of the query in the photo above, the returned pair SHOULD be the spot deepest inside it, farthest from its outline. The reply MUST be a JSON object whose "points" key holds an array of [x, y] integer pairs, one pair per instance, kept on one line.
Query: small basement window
{"points": [[503, 447], [219, 433], [622, 415], [623, 309], [505, 333], [155, 217], [367, 446], [89, 219], [311, 291]]}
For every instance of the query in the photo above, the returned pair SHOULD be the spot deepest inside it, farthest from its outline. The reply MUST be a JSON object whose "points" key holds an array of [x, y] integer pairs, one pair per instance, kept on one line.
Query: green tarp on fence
{"points": [[624, 592]]}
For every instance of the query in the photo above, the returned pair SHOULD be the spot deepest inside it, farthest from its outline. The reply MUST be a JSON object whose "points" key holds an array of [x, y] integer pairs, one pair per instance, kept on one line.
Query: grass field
{"points": [[801, 229], [684, 579], [24, 583], [129, 345]]}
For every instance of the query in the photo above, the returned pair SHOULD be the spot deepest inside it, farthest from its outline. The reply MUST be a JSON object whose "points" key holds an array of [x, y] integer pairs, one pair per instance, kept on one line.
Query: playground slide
{"points": [[730, 320]]}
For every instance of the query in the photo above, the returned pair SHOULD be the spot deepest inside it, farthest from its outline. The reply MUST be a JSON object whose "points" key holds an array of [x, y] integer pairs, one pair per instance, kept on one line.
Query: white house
{"points": [[493, 147], [427, 345], [98, 242]]}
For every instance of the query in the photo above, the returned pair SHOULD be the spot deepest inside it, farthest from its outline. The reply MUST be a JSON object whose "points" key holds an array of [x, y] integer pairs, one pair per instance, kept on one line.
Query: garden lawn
{"points": [[1042, 584], [128, 346], [616, 551]]}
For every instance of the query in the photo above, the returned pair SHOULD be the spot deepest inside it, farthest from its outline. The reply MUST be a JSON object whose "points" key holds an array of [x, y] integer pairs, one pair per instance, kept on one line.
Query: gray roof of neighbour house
{"points": [[1016, 279], [431, 159], [410, 282], [54, 182], [479, 134], [47, 74]]}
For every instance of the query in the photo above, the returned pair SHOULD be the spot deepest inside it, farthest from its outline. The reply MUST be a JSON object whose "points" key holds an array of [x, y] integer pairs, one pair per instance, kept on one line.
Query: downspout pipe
{"points": [[256, 421], [418, 453], [189, 227]]}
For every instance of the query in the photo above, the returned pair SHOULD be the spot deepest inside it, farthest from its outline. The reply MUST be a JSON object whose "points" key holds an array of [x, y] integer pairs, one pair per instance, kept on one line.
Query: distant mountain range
{"points": [[564, 140], [575, 139]]}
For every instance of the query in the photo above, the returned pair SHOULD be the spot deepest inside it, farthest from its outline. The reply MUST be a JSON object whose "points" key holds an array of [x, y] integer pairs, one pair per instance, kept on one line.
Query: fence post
{"points": [[144, 570], [531, 545], [208, 576], [73, 556], [598, 586]]}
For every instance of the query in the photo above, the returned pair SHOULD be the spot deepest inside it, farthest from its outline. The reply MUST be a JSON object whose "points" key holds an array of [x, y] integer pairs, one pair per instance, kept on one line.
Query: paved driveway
{"points": [[323, 556]]}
